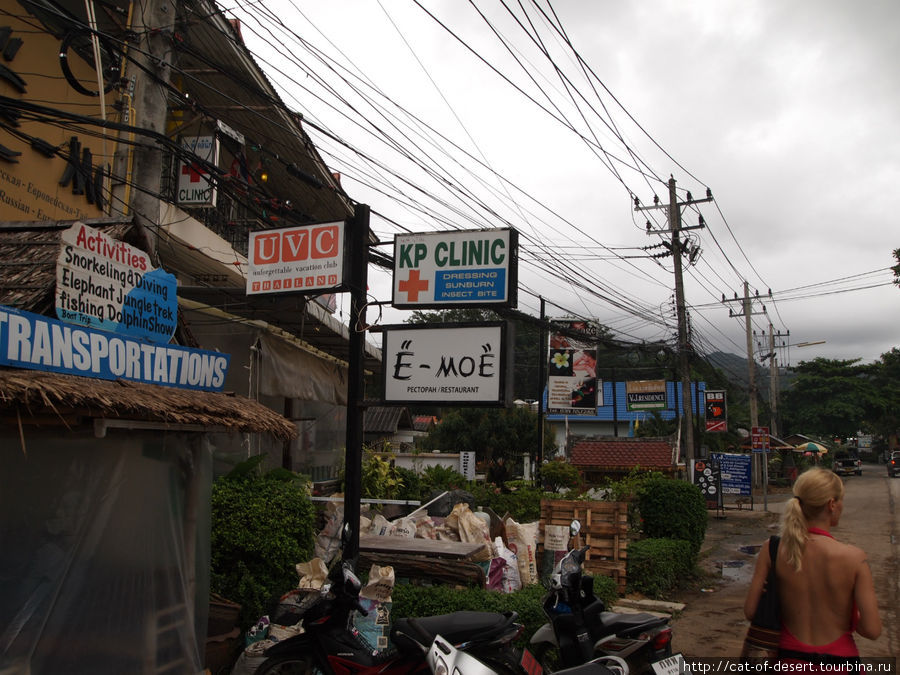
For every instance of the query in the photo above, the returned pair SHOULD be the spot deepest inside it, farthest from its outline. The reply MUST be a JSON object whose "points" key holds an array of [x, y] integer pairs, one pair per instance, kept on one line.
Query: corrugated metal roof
{"points": [[652, 453], [386, 420]]}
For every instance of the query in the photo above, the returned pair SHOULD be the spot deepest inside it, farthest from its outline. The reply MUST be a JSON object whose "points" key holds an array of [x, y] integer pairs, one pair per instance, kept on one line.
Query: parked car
{"points": [[846, 463], [893, 464]]}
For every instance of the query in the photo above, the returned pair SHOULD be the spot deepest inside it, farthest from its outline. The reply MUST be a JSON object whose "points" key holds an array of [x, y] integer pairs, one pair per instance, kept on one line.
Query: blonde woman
{"points": [[825, 587]]}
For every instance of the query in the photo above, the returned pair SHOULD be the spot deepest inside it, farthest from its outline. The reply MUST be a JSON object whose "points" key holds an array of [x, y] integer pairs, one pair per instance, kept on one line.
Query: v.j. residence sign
{"points": [[452, 269]]}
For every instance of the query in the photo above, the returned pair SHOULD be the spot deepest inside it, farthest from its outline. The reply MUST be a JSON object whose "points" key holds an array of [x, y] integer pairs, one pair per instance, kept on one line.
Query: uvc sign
{"points": [[300, 258]]}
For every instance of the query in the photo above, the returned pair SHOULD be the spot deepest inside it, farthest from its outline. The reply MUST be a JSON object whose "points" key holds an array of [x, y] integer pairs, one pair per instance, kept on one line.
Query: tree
{"points": [[830, 398], [896, 268], [488, 432], [885, 420]]}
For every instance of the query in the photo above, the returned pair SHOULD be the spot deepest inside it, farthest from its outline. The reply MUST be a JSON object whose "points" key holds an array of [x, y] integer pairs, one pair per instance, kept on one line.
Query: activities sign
{"points": [[456, 363], [107, 284], [716, 411], [444, 269], [645, 395], [301, 258], [39, 343]]}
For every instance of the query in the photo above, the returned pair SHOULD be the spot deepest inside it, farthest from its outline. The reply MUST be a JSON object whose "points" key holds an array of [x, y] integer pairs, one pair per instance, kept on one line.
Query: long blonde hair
{"points": [[812, 490]]}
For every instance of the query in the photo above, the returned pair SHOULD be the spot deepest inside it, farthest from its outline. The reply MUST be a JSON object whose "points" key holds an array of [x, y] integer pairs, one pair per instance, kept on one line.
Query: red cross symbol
{"points": [[194, 170], [413, 286]]}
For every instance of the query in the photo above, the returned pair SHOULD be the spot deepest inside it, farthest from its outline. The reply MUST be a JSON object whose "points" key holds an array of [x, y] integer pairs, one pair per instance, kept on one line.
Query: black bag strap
{"points": [[774, 540]]}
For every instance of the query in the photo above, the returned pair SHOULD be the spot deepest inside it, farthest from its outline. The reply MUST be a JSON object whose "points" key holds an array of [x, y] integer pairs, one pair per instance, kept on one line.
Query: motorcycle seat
{"points": [[624, 625], [456, 628]]}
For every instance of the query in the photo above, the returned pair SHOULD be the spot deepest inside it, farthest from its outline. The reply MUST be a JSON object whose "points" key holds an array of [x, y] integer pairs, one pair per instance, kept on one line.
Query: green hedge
{"points": [[656, 566], [672, 509], [412, 600], [262, 526]]}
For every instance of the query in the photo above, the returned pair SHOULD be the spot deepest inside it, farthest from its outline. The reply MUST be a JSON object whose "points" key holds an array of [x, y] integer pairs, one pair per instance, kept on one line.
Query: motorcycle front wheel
{"points": [[289, 665]]}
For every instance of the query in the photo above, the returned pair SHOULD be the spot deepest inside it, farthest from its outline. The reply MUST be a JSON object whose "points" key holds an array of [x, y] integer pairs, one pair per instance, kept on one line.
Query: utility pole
{"points": [[137, 190], [747, 312], [677, 249], [773, 383]]}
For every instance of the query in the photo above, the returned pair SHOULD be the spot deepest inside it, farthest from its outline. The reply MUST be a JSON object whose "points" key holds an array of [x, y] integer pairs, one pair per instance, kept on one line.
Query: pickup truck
{"points": [[893, 464], [846, 463]]}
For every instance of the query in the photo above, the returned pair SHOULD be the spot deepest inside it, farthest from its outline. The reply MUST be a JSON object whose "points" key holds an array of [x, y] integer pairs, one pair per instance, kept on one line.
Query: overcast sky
{"points": [[786, 111]]}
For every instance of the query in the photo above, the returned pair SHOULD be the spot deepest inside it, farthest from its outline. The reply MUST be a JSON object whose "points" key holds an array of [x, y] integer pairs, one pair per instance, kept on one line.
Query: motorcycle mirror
{"points": [[574, 528]]}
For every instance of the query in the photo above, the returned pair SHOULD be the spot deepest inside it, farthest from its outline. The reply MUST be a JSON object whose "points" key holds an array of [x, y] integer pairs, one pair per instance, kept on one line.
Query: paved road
{"points": [[712, 623]]}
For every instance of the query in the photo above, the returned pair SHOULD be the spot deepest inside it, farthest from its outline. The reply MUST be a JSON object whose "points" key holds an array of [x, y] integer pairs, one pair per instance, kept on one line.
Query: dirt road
{"points": [[713, 624]]}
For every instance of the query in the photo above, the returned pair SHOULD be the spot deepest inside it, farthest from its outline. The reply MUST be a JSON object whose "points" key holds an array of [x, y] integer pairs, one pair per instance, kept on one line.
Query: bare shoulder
{"points": [[853, 554]]}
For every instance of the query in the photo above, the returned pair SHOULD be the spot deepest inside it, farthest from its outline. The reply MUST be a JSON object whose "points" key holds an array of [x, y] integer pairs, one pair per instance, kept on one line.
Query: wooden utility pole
{"points": [[773, 384], [684, 344], [747, 312], [751, 361], [684, 363]]}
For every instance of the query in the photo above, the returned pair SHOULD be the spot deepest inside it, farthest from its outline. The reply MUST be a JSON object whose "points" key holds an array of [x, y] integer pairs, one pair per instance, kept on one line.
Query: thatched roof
{"points": [[37, 397], [28, 254]]}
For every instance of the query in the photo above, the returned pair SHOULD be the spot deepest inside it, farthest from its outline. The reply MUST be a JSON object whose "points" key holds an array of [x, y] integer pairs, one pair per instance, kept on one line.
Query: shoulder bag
{"points": [[765, 628]]}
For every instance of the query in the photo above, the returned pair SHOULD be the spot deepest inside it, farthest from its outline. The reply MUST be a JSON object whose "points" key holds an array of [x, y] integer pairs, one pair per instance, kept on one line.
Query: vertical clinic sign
{"points": [[301, 258], [194, 185], [446, 269], [107, 284]]}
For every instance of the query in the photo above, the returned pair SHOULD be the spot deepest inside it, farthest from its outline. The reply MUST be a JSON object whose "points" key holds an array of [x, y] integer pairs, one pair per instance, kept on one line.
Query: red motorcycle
{"points": [[330, 645]]}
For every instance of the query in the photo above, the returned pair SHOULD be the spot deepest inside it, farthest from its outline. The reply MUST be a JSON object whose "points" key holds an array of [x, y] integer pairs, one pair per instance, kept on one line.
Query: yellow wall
{"points": [[30, 189]]}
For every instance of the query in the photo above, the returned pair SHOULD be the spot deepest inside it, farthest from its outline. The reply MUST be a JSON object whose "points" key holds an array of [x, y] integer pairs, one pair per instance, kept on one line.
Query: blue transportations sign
{"points": [[40, 343]]}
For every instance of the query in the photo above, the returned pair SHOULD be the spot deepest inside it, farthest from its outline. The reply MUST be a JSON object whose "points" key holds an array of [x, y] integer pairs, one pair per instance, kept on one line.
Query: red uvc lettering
{"points": [[297, 245]]}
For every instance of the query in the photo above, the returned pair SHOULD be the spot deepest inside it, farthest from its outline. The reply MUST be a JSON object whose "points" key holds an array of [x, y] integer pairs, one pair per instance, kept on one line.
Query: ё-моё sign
{"points": [[456, 363], [446, 269]]}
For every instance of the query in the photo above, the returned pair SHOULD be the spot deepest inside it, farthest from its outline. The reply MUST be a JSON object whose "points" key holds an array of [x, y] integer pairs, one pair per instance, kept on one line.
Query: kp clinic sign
{"points": [[308, 258]]}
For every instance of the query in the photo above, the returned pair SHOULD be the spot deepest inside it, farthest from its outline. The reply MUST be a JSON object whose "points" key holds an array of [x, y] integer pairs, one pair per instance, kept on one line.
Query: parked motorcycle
{"points": [[581, 629], [330, 645], [444, 659]]}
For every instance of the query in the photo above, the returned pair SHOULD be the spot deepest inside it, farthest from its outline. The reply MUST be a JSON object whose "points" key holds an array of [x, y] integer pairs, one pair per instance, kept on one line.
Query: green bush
{"points": [[262, 526], [430, 600], [558, 474], [673, 509], [522, 502], [440, 477], [656, 566]]}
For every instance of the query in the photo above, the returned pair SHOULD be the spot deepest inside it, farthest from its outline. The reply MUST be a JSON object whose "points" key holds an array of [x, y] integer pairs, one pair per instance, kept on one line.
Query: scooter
{"points": [[330, 645], [581, 629], [445, 659]]}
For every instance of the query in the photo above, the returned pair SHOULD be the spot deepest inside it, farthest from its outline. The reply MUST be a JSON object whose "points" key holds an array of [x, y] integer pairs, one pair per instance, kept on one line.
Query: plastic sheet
{"points": [[102, 570]]}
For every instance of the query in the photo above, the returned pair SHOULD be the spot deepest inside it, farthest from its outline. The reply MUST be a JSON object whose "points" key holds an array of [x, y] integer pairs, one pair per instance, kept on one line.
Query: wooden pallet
{"points": [[604, 527]]}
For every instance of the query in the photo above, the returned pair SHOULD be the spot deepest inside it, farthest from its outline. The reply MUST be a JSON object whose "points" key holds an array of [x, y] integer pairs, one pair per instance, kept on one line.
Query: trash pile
{"points": [[508, 556]]}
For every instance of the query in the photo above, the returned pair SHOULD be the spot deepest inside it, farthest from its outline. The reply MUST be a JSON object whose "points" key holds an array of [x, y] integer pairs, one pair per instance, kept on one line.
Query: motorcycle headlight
{"points": [[568, 566]]}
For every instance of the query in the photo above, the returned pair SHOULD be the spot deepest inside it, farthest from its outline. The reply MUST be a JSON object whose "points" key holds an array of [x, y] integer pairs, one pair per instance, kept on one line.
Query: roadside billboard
{"points": [[716, 411]]}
